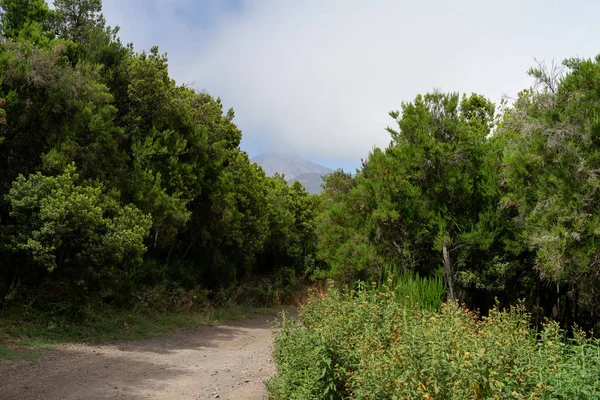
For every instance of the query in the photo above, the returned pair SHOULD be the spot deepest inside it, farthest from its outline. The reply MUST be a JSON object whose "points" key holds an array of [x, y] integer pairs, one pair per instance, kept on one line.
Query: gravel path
{"points": [[213, 362]]}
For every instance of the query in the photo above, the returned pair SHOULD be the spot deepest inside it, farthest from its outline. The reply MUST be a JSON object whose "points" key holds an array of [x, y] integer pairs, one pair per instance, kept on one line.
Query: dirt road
{"points": [[214, 362]]}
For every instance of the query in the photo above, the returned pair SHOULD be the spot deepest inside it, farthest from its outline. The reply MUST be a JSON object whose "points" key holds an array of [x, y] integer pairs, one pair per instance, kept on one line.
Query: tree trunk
{"points": [[190, 246], [577, 321], [170, 251], [448, 268], [156, 236]]}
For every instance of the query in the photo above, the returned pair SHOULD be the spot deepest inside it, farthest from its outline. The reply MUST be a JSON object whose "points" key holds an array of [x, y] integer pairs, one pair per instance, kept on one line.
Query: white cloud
{"points": [[319, 77]]}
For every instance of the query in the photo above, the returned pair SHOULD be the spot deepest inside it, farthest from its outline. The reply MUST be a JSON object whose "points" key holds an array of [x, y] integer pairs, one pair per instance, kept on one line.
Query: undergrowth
{"points": [[369, 344]]}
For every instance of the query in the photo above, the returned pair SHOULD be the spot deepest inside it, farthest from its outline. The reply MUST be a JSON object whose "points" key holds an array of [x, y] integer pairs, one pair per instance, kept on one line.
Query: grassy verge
{"points": [[21, 334], [18, 354]]}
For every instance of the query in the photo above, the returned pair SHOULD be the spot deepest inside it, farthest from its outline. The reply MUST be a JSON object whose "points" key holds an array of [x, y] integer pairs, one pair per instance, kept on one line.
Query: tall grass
{"points": [[412, 289]]}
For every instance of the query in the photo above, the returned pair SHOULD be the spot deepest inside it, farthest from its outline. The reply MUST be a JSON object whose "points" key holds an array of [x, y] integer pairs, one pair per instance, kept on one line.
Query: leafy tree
{"points": [[76, 19], [550, 180], [22, 18], [75, 227], [292, 238], [343, 232], [303, 240], [414, 202], [57, 114], [239, 216]]}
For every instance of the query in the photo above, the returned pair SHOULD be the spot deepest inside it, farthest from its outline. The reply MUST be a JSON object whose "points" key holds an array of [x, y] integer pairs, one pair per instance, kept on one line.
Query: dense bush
{"points": [[367, 344], [59, 221]]}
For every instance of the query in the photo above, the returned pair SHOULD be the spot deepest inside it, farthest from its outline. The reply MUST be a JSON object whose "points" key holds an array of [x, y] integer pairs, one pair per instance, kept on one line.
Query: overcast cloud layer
{"points": [[319, 77]]}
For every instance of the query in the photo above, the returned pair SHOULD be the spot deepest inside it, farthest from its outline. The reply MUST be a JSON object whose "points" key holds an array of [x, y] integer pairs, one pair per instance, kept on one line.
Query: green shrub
{"points": [[369, 344]]}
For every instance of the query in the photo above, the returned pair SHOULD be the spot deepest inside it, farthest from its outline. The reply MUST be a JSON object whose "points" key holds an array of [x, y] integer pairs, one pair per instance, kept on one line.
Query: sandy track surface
{"points": [[213, 362]]}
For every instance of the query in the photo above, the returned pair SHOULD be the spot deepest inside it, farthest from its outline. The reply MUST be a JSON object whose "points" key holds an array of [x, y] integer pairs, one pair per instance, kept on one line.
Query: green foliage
{"points": [[549, 180], [412, 290], [367, 344], [163, 199], [58, 219], [57, 113], [75, 19], [21, 18], [417, 200], [342, 241], [506, 202]]}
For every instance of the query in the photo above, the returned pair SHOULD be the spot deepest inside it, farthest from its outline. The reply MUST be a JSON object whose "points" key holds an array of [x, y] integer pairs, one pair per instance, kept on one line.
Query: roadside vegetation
{"points": [[370, 344]]}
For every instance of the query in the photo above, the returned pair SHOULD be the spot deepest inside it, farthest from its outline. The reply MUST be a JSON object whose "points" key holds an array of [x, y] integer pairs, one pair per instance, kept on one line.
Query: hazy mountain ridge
{"points": [[311, 181], [294, 167]]}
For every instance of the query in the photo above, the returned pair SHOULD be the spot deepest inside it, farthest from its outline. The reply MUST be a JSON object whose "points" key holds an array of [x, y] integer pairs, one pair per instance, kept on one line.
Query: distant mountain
{"points": [[311, 181], [294, 168]]}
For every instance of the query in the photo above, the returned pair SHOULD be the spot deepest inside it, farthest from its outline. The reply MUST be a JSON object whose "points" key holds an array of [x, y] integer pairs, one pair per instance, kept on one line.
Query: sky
{"points": [[319, 77]]}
